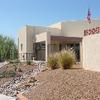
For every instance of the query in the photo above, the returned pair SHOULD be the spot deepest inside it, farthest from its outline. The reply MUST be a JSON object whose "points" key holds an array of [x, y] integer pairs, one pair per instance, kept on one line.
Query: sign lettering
{"points": [[92, 31]]}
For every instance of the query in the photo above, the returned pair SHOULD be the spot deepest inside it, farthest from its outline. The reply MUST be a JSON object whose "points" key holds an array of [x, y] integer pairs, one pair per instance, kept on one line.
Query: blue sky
{"points": [[14, 14]]}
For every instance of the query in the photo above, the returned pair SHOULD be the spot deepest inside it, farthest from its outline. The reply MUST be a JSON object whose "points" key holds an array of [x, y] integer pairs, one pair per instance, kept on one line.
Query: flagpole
{"points": [[88, 17]]}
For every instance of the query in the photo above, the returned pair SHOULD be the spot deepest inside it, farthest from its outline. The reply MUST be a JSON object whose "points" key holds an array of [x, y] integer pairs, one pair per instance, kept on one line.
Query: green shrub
{"points": [[32, 80], [11, 62], [10, 74], [7, 74], [19, 70], [29, 62], [52, 61], [2, 75], [66, 59], [14, 61], [15, 67], [17, 61]]}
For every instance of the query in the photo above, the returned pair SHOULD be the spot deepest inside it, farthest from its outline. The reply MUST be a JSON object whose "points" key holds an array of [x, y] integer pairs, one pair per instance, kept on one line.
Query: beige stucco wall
{"points": [[26, 35], [91, 52], [35, 34], [22, 40], [72, 28], [76, 28], [41, 37], [56, 25], [55, 32], [30, 35], [91, 49]]}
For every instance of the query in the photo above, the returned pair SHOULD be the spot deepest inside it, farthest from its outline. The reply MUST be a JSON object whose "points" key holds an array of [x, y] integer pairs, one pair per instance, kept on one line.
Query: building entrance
{"points": [[39, 51], [76, 48]]}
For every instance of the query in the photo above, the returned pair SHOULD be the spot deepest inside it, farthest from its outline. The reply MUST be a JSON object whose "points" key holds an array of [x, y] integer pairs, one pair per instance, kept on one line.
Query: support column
{"points": [[46, 51], [81, 55], [47, 42]]}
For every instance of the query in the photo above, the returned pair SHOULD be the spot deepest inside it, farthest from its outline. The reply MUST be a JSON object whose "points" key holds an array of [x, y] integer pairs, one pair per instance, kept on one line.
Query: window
{"points": [[21, 47]]}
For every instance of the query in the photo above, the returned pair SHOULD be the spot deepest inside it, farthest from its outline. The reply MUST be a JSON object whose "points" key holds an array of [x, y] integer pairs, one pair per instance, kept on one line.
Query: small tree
{"points": [[8, 48]]}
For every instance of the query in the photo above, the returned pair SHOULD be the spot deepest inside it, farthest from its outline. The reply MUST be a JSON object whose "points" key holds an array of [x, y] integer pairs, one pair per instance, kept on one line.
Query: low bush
{"points": [[15, 67], [19, 70], [29, 62], [7, 74], [52, 61], [32, 80], [66, 59], [14, 61], [10, 74], [2, 75]]}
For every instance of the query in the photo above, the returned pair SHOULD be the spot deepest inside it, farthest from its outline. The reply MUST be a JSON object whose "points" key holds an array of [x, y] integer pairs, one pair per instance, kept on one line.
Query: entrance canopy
{"points": [[66, 39]]}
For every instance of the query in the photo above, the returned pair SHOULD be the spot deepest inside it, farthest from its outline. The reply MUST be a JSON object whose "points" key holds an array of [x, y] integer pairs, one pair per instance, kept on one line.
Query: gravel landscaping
{"points": [[71, 84], [58, 84], [22, 83]]}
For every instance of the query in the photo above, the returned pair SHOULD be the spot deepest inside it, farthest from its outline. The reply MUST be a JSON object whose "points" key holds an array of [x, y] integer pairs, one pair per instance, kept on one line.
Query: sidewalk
{"points": [[3, 63], [21, 97], [4, 97]]}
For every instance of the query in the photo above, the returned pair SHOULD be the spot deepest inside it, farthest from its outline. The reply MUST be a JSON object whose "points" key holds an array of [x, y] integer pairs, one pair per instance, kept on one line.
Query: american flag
{"points": [[89, 16]]}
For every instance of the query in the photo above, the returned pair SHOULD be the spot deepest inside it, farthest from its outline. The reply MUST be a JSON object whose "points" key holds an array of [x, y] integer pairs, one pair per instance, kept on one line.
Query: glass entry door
{"points": [[39, 51], [76, 48]]}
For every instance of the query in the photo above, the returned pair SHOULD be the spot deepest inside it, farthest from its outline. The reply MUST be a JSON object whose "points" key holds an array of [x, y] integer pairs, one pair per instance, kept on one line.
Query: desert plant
{"points": [[32, 80], [29, 62], [19, 69], [52, 61], [15, 67], [66, 59], [2, 75], [11, 74], [14, 61], [7, 74], [8, 48]]}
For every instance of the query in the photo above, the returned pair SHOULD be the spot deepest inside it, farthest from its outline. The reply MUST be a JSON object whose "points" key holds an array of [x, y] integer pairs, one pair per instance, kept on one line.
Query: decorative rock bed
{"points": [[22, 83]]}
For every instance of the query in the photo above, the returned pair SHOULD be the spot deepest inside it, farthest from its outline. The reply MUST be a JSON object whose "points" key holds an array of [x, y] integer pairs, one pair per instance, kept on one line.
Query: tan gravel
{"points": [[72, 84]]}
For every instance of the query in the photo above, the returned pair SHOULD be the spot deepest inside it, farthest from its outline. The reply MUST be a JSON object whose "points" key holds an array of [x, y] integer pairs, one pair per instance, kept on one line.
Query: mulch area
{"points": [[70, 84]]}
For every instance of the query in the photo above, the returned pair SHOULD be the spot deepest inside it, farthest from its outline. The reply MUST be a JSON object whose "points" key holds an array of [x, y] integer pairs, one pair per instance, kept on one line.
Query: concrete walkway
{"points": [[4, 97], [21, 97], [3, 63]]}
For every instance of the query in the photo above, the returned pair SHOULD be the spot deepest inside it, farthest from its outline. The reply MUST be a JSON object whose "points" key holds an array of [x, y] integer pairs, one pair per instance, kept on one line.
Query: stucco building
{"points": [[37, 42]]}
